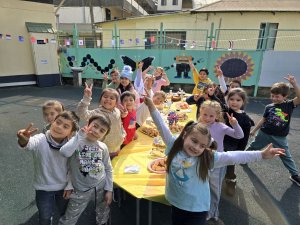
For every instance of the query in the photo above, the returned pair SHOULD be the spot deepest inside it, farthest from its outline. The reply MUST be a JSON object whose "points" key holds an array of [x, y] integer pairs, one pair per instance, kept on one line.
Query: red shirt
{"points": [[129, 126]]}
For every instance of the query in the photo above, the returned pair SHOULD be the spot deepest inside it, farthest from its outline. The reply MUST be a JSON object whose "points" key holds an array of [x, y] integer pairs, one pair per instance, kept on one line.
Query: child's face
{"points": [[114, 77], [124, 81], [60, 129], [234, 85], [148, 82], [50, 114], [128, 102], [194, 143], [108, 101], [208, 115], [97, 131], [235, 102], [157, 72], [277, 98], [158, 99], [202, 75]]}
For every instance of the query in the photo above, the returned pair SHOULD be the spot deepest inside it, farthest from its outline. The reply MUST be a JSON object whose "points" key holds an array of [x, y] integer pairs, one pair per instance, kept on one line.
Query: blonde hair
{"points": [[161, 94], [215, 106], [58, 106]]}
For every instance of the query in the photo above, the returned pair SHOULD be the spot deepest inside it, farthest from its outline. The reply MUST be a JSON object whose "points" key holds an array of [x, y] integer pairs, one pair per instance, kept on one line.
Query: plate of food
{"points": [[158, 166], [156, 152]]}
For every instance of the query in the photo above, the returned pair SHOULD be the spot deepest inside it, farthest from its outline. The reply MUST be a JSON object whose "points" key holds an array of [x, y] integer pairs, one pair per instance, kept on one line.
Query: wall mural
{"points": [[235, 66]]}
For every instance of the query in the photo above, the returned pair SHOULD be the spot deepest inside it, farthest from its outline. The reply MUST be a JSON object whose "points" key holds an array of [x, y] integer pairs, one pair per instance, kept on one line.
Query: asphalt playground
{"points": [[264, 196]]}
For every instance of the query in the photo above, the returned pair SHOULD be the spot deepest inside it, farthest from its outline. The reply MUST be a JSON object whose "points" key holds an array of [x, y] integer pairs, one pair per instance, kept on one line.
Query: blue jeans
{"points": [[262, 140], [46, 201]]}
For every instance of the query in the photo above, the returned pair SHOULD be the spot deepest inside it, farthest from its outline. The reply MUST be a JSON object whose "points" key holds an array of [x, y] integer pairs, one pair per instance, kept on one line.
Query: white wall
{"points": [[80, 14], [169, 6], [276, 65]]}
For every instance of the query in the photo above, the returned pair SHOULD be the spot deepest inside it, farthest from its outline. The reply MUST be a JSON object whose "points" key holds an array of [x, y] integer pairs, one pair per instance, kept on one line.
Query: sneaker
{"points": [[295, 179]]}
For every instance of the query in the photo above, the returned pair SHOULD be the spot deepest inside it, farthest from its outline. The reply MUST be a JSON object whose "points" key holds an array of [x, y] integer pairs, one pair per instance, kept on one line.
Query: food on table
{"points": [[175, 98], [157, 152], [182, 116], [158, 165], [176, 128], [183, 105], [158, 142], [148, 130]]}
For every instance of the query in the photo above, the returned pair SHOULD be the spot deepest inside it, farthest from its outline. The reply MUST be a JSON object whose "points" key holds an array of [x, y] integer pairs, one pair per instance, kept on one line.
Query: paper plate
{"points": [[155, 171]]}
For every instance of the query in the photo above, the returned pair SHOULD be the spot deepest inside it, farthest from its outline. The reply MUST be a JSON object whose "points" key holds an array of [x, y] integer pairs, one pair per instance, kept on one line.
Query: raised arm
{"points": [[104, 82], [164, 75], [82, 107], [296, 87], [221, 79]]}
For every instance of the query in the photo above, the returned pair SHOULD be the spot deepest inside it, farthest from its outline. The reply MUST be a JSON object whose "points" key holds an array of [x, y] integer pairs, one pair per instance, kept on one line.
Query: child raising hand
{"points": [[189, 157]]}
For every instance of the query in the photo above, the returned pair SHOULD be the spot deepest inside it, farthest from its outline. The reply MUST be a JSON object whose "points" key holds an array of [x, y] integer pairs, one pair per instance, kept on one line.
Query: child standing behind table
{"points": [[128, 114], [51, 109], [275, 124], [51, 182], [115, 80], [201, 80], [160, 78], [143, 113], [91, 171], [108, 107]]}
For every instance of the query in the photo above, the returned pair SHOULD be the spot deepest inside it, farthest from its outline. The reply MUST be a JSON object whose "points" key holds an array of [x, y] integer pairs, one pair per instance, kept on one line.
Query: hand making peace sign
{"points": [[24, 135], [232, 120], [88, 90]]}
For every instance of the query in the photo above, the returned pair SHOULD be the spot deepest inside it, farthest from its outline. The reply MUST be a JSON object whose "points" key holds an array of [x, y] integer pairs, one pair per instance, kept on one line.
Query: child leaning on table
{"points": [[107, 106], [91, 171], [275, 124], [190, 156], [51, 181]]}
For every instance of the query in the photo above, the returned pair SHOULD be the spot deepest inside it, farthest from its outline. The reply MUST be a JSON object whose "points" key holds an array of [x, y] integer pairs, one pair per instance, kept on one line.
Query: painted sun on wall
{"points": [[236, 66]]}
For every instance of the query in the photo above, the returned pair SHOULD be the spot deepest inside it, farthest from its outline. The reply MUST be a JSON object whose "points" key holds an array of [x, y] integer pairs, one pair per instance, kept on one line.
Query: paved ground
{"points": [[264, 195]]}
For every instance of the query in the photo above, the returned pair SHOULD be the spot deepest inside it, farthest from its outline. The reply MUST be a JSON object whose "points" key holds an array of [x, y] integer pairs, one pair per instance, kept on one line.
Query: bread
{"points": [[175, 98]]}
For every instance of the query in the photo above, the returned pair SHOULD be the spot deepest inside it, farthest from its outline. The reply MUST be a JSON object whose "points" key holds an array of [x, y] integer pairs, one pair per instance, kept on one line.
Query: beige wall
{"points": [[234, 20], [16, 57]]}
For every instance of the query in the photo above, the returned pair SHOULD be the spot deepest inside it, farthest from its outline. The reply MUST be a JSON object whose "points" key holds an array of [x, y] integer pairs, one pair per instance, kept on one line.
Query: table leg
{"points": [[149, 213], [137, 211]]}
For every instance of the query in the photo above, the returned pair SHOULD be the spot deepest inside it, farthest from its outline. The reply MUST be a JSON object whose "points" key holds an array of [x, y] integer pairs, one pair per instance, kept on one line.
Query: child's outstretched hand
{"points": [[291, 79], [219, 71], [88, 90], [148, 101], [232, 120], [140, 65], [269, 152], [24, 135], [105, 76]]}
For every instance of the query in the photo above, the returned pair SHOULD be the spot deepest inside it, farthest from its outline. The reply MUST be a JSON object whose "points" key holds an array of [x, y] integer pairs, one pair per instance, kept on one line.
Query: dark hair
{"points": [[235, 81], [104, 120], [58, 106], [127, 94], [205, 159], [111, 90], [70, 115], [204, 70], [238, 91], [280, 88], [121, 88]]}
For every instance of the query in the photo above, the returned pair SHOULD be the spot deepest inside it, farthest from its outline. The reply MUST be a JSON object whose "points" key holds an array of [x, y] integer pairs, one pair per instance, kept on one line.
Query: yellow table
{"points": [[144, 185]]}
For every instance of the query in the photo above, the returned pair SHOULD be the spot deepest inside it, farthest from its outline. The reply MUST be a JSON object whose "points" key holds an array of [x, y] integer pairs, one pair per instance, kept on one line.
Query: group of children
{"points": [[73, 165]]}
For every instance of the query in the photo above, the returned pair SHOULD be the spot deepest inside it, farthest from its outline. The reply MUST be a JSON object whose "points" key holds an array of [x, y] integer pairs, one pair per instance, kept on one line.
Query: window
{"points": [[163, 2], [267, 30], [175, 2], [172, 40]]}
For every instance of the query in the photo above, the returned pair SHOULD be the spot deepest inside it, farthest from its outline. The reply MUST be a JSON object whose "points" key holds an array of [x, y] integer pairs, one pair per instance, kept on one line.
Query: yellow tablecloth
{"points": [[145, 184]]}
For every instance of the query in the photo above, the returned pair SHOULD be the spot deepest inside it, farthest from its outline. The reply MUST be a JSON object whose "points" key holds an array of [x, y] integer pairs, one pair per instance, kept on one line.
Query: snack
{"points": [[158, 142], [183, 105], [157, 166], [157, 152], [176, 128], [148, 130], [182, 116], [175, 98]]}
